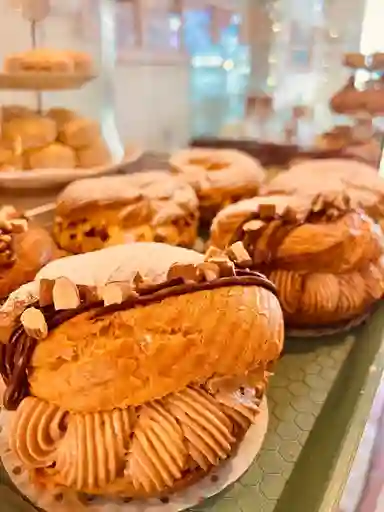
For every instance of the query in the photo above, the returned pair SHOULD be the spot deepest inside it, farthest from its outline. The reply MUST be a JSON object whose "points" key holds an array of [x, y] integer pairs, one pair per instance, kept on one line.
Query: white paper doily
{"points": [[215, 482]]}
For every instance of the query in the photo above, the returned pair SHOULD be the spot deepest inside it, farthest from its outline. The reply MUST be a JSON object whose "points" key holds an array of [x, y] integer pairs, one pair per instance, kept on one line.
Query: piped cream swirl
{"points": [[149, 448]]}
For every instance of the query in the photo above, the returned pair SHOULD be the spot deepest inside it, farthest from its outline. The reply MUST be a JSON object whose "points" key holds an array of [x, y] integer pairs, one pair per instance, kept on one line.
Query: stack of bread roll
{"points": [[56, 139]]}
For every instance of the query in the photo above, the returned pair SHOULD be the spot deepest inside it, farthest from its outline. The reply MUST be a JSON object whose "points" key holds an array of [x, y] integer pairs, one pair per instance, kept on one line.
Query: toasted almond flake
{"points": [[267, 211], [209, 270], [46, 292], [213, 252], [253, 225], [19, 225], [225, 265], [239, 254], [34, 323], [116, 293], [88, 294], [188, 272], [65, 294]]}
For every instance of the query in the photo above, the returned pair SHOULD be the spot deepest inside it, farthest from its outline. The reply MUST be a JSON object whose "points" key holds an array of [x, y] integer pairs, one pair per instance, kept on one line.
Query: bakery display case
{"points": [[151, 369], [57, 106]]}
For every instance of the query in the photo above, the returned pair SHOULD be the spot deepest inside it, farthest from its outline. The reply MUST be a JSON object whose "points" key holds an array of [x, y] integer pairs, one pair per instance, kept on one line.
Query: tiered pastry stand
{"points": [[36, 11]]}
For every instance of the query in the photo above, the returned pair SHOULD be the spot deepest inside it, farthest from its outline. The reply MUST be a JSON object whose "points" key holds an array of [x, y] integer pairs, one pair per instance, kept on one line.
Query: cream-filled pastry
{"points": [[136, 383], [325, 257], [147, 206]]}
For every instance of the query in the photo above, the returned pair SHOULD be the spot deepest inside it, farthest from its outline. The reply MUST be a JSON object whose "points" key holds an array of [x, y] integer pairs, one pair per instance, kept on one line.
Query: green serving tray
{"points": [[319, 400]]}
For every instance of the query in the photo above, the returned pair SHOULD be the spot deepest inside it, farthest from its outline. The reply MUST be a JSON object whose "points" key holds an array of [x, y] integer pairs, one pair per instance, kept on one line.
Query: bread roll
{"points": [[95, 155], [80, 133], [31, 133], [61, 116], [53, 156]]}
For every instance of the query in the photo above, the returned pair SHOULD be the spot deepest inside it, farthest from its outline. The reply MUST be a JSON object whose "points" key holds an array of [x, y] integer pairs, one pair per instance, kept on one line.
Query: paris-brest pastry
{"points": [[24, 249], [324, 256], [146, 207], [142, 376], [360, 181], [219, 176]]}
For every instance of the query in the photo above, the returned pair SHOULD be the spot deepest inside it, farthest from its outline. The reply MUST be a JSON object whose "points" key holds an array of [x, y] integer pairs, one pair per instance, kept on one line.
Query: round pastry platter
{"points": [[47, 178], [44, 81], [212, 484]]}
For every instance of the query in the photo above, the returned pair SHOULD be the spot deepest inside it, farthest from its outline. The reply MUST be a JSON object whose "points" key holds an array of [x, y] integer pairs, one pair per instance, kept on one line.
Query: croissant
{"points": [[134, 370], [324, 256]]}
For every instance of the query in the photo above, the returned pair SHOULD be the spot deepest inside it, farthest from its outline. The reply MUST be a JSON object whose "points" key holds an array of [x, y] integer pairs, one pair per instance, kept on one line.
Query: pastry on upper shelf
{"points": [[24, 249], [30, 132], [219, 176], [352, 101], [48, 60], [53, 156], [80, 132], [59, 138], [148, 206], [61, 116], [325, 257], [136, 370], [9, 112], [97, 154], [374, 61]]}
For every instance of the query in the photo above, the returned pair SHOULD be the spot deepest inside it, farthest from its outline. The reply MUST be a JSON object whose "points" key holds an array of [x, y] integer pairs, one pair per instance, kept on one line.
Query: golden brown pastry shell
{"points": [[150, 206], [147, 387], [219, 177], [33, 249], [359, 180], [326, 271], [134, 356]]}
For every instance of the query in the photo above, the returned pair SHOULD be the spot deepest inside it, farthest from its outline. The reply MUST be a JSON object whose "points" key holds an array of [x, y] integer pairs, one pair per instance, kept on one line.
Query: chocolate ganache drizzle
{"points": [[16, 355]]}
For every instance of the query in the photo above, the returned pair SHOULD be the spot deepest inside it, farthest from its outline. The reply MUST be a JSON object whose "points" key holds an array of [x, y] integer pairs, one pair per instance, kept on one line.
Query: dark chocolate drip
{"points": [[15, 356]]}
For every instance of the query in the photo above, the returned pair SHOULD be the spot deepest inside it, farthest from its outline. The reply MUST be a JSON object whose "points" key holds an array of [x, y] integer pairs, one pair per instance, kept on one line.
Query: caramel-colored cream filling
{"points": [[149, 447]]}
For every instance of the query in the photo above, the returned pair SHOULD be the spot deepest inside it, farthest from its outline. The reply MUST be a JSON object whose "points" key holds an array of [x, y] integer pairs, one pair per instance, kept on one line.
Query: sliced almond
{"points": [[188, 272], [225, 266], [5, 225], [34, 323], [46, 292], [213, 252], [209, 270], [253, 225], [239, 255], [7, 239], [88, 294], [65, 294], [19, 225], [318, 203], [267, 211], [116, 293], [342, 202], [8, 212]]}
